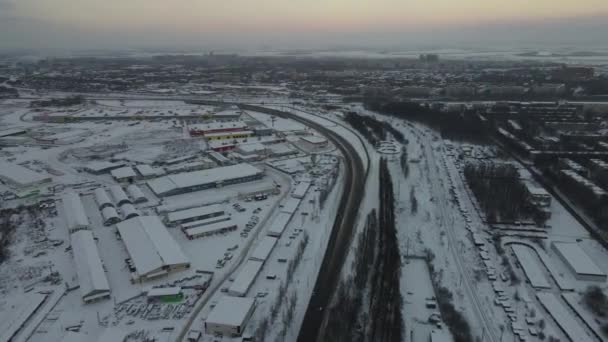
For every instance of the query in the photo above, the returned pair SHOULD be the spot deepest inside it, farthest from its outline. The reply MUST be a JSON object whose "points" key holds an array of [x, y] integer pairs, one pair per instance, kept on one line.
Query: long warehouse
{"points": [[21, 177], [75, 216], [199, 180], [245, 278], [152, 249], [91, 275], [195, 214]]}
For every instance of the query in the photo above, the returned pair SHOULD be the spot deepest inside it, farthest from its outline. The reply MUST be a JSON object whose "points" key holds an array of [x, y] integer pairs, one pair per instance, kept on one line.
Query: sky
{"points": [[87, 24]]}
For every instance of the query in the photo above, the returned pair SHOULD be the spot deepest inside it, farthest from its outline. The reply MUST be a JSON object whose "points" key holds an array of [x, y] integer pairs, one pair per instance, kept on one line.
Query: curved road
{"points": [[342, 230]]}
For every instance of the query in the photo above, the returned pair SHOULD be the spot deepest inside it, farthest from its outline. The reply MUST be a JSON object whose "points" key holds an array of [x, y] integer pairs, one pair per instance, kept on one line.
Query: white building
{"points": [[153, 251], [210, 229], [204, 179], [119, 195], [263, 249], [91, 275], [313, 142], [136, 194], [578, 261], [245, 278], [75, 215], [21, 177], [230, 316], [279, 224], [195, 214], [128, 211], [147, 171], [110, 216], [123, 174], [301, 189], [102, 199], [102, 167]]}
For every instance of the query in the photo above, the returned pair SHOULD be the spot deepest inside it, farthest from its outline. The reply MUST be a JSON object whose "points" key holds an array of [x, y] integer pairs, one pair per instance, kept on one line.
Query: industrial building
{"points": [[578, 261], [301, 189], [123, 174], [98, 168], [102, 199], [230, 316], [147, 171], [128, 211], [219, 158], [205, 222], [165, 294], [263, 249], [110, 216], [137, 196], [229, 135], [313, 142], [93, 282], [20, 177], [245, 278], [75, 215], [192, 166], [153, 251], [195, 214], [205, 179], [217, 127], [279, 224], [210, 229], [119, 195]]}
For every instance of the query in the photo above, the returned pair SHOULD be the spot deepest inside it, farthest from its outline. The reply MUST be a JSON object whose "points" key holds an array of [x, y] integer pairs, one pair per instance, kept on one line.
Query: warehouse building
{"points": [[102, 199], [147, 171], [219, 158], [137, 196], [217, 127], [263, 249], [153, 251], [75, 215], [110, 216], [245, 278], [98, 168], [210, 229], [128, 211], [192, 166], [230, 316], [229, 135], [205, 222], [20, 177], [205, 179], [119, 195], [578, 261], [165, 294], [313, 142], [301, 190], [92, 278], [195, 214], [279, 224], [123, 174]]}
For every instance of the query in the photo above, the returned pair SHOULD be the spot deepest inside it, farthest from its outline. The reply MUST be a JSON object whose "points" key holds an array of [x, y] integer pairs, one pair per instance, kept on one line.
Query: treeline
{"points": [[373, 130], [500, 193], [461, 124], [59, 102], [368, 303]]}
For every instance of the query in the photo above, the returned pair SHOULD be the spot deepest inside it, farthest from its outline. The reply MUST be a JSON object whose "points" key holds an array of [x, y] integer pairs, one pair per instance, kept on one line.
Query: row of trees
{"points": [[59, 102], [500, 192], [368, 304], [373, 130]]}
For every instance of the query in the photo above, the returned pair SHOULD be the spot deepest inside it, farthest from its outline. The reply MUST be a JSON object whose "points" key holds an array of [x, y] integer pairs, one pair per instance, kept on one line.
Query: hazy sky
{"points": [[124, 23]]}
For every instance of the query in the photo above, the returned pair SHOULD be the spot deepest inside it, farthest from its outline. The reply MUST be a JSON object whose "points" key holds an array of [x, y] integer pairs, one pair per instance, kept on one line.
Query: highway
{"points": [[342, 230]]}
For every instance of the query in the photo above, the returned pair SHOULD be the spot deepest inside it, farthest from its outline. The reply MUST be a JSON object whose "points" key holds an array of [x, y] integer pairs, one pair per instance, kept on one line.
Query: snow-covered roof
{"points": [[149, 171], [214, 126], [177, 216], [245, 278], [123, 172], [128, 211], [102, 166], [290, 205], [136, 194], [577, 258], [203, 222], [102, 198], [75, 216], [209, 228], [119, 194], [264, 248], [301, 189], [91, 275], [314, 139], [109, 213], [584, 182], [216, 175], [231, 311], [279, 223], [20, 175], [221, 134], [149, 244]]}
